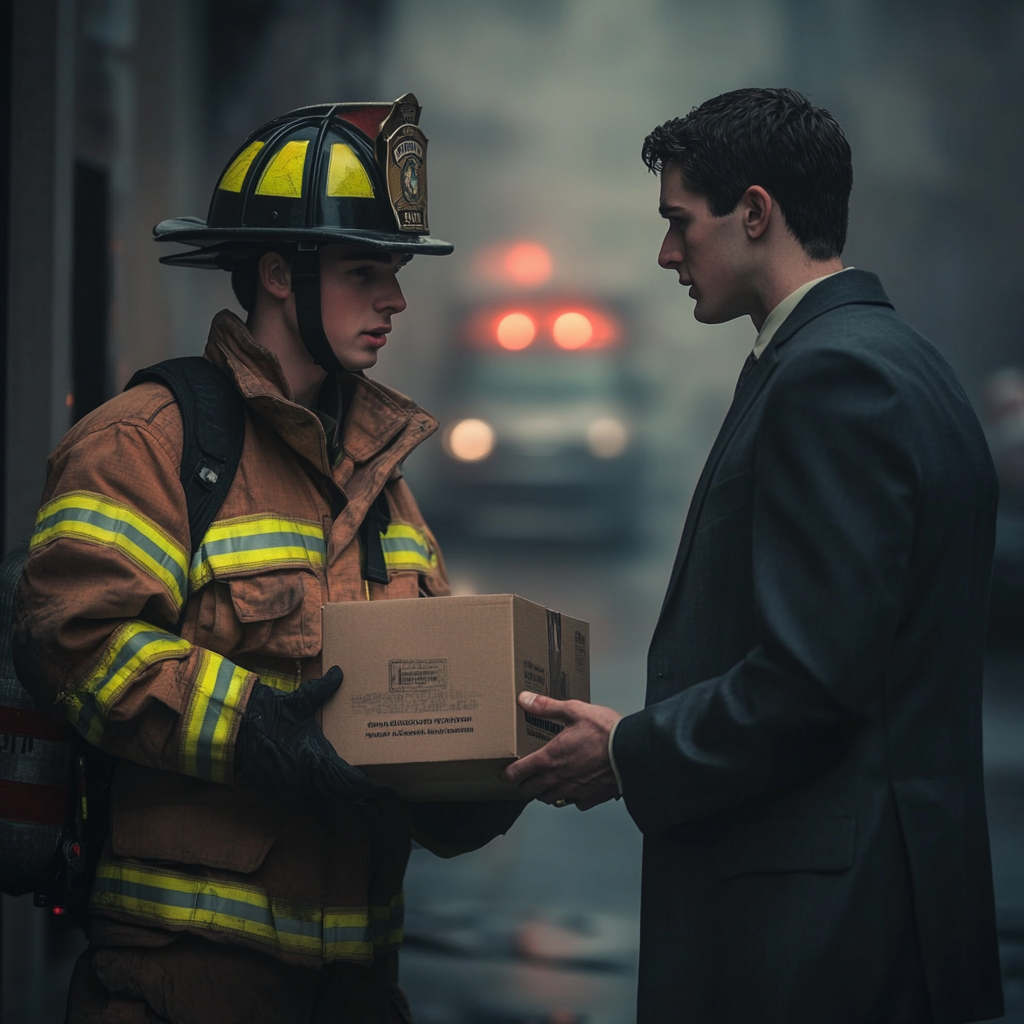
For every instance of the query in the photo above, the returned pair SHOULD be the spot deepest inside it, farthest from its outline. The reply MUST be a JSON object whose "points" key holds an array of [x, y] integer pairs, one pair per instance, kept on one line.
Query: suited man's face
{"points": [[712, 255]]}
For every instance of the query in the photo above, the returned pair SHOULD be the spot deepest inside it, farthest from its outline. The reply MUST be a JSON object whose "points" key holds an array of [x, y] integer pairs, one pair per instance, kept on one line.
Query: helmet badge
{"points": [[402, 152]]}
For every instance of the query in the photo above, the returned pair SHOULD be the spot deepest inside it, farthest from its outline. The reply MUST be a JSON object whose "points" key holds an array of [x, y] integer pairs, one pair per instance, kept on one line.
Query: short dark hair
{"points": [[245, 280], [773, 138]]}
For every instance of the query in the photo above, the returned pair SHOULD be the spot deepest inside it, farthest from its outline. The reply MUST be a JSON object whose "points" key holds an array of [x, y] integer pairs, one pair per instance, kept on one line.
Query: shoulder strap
{"points": [[213, 423], [375, 525]]}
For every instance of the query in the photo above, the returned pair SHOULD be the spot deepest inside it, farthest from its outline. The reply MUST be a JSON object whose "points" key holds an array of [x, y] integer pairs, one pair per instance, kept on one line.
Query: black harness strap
{"points": [[213, 423], [376, 523], [306, 286]]}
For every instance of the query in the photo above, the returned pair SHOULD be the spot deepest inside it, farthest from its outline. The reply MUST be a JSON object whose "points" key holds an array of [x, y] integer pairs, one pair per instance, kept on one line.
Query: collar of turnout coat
{"points": [[376, 417]]}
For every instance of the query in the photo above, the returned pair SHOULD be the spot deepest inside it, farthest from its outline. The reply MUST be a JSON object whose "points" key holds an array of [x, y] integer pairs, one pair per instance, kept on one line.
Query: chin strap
{"points": [[306, 286]]}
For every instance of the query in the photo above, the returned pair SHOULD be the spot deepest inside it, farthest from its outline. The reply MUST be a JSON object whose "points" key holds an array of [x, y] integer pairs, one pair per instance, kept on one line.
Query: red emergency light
{"points": [[521, 264], [515, 331], [563, 326]]}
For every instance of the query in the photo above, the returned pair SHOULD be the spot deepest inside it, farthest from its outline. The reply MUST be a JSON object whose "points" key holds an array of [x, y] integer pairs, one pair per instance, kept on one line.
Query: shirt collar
{"points": [[777, 317]]}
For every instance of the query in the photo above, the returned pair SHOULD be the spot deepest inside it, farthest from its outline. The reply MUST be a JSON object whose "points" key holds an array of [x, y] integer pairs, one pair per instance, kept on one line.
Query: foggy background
{"points": [[536, 111]]}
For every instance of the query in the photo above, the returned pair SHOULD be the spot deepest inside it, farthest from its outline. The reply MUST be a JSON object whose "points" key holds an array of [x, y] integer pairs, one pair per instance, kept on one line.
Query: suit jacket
{"points": [[807, 772]]}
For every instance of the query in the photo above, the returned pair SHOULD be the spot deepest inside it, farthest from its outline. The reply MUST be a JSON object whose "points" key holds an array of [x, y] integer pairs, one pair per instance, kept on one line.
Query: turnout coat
{"points": [[151, 650], [807, 772]]}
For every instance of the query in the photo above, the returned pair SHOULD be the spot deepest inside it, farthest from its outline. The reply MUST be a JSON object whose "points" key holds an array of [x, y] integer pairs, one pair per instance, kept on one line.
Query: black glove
{"points": [[281, 747], [448, 829]]}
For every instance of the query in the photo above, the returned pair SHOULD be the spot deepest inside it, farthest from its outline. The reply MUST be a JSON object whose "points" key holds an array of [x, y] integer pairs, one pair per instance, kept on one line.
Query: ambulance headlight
{"points": [[607, 437], [469, 440]]}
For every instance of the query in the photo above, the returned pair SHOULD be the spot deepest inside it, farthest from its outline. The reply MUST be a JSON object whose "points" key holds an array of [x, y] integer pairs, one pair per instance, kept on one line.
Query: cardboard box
{"points": [[428, 705]]}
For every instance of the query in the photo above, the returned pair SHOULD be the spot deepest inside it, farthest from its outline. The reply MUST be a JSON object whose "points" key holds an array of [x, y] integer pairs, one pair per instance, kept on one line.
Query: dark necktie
{"points": [[750, 363]]}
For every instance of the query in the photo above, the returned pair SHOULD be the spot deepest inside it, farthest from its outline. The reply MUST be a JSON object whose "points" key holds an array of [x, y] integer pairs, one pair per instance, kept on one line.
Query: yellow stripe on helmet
{"points": [[283, 175], [346, 176], [234, 176]]}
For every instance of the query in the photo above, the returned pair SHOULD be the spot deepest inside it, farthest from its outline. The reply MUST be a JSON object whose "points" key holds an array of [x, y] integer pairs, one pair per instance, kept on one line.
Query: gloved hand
{"points": [[448, 829], [281, 747]]}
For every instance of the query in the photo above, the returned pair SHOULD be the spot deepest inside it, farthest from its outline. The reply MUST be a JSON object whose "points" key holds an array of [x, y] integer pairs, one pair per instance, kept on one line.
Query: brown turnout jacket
{"points": [[109, 576]]}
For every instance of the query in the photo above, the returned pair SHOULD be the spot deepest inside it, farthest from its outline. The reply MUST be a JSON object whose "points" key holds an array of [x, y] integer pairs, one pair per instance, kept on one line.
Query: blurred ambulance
{"points": [[539, 423]]}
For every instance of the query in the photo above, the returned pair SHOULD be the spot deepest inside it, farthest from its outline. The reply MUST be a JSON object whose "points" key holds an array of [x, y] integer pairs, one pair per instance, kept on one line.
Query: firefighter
{"points": [[249, 873]]}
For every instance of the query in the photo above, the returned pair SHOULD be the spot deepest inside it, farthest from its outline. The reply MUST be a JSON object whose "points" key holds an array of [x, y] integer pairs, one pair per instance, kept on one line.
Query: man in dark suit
{"points": [[807, 772]]}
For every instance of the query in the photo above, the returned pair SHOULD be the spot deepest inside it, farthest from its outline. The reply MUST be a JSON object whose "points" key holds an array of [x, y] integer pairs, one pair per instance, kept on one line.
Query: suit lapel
{"points": [[741, 404], [848, 287]]}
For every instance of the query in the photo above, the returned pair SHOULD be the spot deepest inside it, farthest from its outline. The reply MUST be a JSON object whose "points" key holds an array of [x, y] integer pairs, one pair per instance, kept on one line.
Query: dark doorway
{"points": [[90, 296], [5, 161]]}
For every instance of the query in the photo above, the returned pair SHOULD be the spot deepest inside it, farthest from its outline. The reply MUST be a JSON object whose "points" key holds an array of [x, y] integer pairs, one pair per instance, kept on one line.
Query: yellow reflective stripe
{"points": [[234, 176], [387, 924], [406, 547], [175, 899], [91, 517], [209, 719], [389, 940], [346, 176], [346, 934], [286, 682], [133, 648], [250, 543], [283, 175]]}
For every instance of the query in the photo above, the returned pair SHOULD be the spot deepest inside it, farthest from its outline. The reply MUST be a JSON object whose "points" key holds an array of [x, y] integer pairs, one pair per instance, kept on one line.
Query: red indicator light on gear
{"points": [[572, 330], [515, 331], [58, 911]]}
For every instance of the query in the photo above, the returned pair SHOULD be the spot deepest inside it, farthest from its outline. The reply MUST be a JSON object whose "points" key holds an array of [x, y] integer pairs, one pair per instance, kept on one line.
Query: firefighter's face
{"points": [[359, 294]]}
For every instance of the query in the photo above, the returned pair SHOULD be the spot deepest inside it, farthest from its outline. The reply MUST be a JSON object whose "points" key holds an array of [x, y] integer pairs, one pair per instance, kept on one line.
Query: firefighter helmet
{"points": [[335, 172]]}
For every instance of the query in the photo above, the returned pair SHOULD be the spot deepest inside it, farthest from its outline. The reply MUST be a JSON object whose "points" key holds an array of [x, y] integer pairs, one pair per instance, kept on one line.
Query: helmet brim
{"points": [[219, 248]]}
